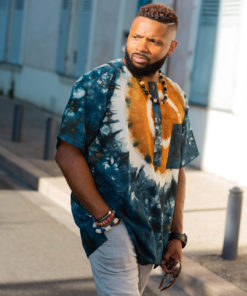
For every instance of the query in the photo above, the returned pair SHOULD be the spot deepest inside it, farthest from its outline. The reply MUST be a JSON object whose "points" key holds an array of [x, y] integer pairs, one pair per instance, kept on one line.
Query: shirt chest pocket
{"points": [[174, 155]]}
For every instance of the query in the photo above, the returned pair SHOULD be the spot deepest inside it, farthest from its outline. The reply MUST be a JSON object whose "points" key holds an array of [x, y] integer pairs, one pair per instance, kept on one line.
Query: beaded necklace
{"points": [[149, 95]]}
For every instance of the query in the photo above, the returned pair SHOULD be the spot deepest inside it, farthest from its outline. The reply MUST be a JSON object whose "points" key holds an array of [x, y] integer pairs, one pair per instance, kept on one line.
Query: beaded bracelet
{"points": [[106, 219], [101, 229]]}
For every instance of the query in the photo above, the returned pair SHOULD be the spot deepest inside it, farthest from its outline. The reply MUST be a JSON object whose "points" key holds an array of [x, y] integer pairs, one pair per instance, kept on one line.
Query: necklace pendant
{"points": [[155, 100]]}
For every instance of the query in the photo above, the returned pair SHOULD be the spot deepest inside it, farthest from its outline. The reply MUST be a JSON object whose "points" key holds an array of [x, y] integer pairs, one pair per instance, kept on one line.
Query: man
{"points": [[124, 140]]}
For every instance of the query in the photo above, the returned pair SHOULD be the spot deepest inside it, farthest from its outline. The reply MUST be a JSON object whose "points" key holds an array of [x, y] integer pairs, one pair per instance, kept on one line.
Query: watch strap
{"points": [[182, 237]]}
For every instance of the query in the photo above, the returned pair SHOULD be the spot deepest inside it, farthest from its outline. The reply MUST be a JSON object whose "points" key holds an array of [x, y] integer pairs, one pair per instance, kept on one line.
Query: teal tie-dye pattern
{"points": [[91, 123]]}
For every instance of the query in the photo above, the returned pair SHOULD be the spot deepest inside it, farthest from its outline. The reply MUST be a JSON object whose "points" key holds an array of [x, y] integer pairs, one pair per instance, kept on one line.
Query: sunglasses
{"points": [[170, 278]]}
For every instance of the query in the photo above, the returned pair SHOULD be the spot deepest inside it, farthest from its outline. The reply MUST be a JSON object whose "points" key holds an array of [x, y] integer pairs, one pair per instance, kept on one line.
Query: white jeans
{"points": [[115, 268]]}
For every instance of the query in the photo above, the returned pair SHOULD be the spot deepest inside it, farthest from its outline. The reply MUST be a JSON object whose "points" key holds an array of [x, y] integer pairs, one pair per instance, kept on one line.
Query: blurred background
{"points": [[46, 45]]}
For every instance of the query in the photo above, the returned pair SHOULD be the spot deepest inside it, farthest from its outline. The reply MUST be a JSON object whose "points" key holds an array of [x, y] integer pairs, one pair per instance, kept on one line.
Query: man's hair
{"points": [[160, 13]]}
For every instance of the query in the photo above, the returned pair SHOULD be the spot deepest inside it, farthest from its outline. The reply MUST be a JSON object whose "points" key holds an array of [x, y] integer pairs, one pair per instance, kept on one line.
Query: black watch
{"points": [[182, 237]]}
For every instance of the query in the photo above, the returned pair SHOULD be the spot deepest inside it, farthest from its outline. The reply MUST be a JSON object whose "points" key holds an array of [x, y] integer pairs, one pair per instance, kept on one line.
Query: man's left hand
{"points": [[174, 251]]}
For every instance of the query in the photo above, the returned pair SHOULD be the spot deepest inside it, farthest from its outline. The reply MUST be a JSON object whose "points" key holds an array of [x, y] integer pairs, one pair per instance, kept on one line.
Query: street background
{"points": [[45, 46]]}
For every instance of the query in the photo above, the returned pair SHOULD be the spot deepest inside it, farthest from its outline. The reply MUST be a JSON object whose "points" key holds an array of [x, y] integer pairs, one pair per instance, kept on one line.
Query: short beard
{"points": [[149, 70]]}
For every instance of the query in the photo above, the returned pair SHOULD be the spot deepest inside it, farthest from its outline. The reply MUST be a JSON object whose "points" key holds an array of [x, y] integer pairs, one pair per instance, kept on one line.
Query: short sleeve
{"points": [[72, 129], [189, 150]]}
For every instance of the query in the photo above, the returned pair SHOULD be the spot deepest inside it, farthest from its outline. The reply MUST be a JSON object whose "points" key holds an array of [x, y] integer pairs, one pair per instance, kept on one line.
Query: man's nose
{"points": [[142, 46]]}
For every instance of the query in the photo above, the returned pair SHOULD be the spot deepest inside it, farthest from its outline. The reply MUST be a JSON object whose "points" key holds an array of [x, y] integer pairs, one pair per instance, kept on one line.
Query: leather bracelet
{"points": [[105, 216], [107, 220]]}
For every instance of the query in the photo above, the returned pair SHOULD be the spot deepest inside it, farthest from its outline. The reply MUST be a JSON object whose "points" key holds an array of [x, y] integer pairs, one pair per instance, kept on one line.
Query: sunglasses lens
{"points": [[169, 279]]}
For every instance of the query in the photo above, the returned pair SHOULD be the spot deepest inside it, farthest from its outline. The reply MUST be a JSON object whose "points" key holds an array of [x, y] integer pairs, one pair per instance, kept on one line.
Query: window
{"points": [[63, 35], [11, 27], [81, 53], [225, 67], [204, 53], [74, 37], [4, 7]]}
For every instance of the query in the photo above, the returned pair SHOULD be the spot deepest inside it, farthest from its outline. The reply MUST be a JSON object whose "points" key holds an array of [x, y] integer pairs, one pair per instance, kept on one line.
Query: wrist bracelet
{"points": [[106, 215], [106, 219], [101, 229]]}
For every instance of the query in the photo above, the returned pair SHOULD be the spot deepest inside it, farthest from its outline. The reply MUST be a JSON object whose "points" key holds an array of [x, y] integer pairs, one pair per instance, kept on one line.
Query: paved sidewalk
{"points": [[38, 255], [205, 208]]}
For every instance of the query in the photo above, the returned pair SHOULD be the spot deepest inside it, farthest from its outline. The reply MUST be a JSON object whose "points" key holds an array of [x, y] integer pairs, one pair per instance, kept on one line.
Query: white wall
{"points": [[221, 129], [222, 141], [42, 88]]}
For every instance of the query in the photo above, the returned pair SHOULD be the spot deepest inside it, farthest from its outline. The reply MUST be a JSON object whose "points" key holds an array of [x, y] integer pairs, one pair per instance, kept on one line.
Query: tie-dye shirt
{"points": [[134, 149]]}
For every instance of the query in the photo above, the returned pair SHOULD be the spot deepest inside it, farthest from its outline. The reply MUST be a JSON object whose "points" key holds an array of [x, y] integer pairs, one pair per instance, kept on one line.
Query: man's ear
{"points": [[172, 47]]}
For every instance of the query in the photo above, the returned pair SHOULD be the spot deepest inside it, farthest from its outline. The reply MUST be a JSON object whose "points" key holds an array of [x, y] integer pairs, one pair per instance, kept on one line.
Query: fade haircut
{"points": [[160, 13]]}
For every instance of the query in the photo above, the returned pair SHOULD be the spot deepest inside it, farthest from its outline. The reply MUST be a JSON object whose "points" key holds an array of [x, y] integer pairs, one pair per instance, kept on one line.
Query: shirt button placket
{"points": [[158, 126]]}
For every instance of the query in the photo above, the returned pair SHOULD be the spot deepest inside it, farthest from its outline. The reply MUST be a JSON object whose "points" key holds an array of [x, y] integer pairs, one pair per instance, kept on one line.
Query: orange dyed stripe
{"points": [[140, 131], [139, 123]]}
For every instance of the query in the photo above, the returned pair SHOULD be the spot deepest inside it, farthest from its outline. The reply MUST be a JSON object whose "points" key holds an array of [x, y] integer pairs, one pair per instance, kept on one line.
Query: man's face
{"points": [[149, 41]]}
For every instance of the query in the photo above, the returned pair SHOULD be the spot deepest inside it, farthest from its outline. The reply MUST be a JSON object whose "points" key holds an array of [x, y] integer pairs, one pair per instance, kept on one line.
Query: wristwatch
{"points": [[182, 237]]}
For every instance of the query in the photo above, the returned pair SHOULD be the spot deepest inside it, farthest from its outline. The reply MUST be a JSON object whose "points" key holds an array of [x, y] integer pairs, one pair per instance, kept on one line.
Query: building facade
{"points": [[46, 45]]}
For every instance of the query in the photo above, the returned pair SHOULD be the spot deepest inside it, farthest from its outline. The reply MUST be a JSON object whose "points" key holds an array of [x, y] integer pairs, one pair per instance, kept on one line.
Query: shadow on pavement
{"points": [[233, 271], [69, 287]]}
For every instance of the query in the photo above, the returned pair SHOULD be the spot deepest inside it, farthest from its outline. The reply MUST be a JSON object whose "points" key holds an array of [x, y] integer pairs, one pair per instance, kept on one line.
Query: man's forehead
{"points": [[148, 26]]}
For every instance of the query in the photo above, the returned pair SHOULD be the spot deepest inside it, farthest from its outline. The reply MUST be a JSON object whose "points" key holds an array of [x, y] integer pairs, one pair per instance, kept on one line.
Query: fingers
{"points": [[170, 265], [172, 256]]}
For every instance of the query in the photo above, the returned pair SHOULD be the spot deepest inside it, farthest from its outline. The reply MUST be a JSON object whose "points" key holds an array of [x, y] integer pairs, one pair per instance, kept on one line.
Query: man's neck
{"points": [[154, 77]]}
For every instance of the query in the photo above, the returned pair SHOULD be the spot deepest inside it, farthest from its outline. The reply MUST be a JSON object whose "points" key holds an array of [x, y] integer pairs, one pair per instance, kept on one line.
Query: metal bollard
{"points": [[17, 123], [50, 138], [230, 248]]}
